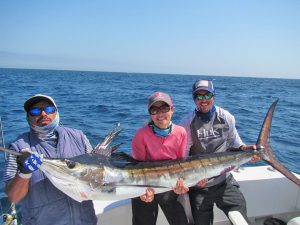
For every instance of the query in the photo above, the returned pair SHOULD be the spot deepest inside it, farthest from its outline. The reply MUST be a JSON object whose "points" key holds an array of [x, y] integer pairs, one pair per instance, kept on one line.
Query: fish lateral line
{"points": [[133, 185]]}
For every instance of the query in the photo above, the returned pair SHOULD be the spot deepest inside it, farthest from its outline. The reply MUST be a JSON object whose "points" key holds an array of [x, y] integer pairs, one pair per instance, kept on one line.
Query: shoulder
{"points": [[223, 113], [145, 130], [69, 130], [71, 134], [188, 118], [21, 141], [178, 129], [23, 136], [226, 116], [179, 132], [142, 137]]}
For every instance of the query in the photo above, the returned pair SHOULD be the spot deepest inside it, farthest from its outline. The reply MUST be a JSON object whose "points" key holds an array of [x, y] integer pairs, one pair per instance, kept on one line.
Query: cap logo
{"points": [[158, 94], [202, 83]]}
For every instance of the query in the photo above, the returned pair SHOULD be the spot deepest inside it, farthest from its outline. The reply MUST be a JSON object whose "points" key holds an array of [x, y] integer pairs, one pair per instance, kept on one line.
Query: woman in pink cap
{"points": [[160, 139]]}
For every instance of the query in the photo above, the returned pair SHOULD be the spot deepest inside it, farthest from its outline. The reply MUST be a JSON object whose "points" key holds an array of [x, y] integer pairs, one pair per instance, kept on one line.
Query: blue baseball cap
{"points": [[206, 85]]}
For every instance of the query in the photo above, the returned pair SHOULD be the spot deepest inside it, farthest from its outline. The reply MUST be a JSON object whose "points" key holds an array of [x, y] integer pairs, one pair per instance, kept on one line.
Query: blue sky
{"points": [[213, 37]]}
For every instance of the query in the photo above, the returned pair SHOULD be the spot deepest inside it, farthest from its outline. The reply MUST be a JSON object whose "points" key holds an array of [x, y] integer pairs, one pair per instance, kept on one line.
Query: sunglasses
{"points": [[163, 109], [206, 96], [38, 111]]}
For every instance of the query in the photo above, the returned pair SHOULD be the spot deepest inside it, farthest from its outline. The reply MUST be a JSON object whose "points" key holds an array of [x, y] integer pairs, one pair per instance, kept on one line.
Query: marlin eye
{"points": [[71, 164]]}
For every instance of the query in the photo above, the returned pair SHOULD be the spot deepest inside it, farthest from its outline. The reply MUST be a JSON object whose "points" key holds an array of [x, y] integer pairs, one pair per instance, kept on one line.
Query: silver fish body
{"points": [[105, 178]]}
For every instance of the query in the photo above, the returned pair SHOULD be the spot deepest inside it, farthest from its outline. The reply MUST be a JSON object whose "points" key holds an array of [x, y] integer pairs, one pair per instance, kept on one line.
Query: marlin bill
{"points": [[118, 176]]}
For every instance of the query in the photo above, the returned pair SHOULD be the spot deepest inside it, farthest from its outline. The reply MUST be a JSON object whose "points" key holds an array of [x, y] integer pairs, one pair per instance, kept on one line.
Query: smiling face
{"points": [[43, 119], [204, 105], [161, 119]]}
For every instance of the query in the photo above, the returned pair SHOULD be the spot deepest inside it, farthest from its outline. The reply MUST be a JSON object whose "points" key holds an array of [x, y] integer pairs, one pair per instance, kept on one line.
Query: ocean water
{"points": [[95, 101]]}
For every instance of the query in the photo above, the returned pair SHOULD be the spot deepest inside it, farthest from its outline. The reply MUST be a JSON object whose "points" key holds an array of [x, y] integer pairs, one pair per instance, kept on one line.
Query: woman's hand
{"points": [[148, 196], [202, 183], [180, 187]]}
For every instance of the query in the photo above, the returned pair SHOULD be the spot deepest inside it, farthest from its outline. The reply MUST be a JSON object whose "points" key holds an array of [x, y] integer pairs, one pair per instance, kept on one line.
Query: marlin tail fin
{"points": [[263, 142]]}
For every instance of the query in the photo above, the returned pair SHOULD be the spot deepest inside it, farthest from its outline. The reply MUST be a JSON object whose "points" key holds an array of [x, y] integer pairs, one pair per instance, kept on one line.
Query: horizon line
{"points": [[153, 73]]}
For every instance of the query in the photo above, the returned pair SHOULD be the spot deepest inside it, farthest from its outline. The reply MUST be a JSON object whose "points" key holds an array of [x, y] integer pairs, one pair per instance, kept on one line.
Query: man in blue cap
{"points": [[212, 129], [41, 202]]}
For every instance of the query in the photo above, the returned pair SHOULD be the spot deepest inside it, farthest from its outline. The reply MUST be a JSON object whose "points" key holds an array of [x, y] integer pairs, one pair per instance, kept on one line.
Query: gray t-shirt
{"points": [[218, 135]]}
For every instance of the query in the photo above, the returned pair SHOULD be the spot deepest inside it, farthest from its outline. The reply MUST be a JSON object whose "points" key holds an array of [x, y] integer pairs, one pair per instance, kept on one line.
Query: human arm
{"points": [[235, 140], [186, 124], [181, 153], [88, 146], [17, 187], [233, 137]]}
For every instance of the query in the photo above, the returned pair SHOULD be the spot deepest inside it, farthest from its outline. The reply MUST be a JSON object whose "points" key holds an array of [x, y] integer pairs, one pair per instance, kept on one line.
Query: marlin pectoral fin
{"points": [[101, 148], [110, 137], [112, 149]]}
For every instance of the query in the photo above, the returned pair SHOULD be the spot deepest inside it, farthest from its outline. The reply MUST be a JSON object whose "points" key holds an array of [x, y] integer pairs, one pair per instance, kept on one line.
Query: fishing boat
{"points": [[269, 195]]}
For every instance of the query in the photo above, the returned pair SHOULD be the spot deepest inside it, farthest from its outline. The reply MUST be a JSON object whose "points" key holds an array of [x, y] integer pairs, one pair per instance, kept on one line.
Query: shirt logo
{"points": [[206, 134]]}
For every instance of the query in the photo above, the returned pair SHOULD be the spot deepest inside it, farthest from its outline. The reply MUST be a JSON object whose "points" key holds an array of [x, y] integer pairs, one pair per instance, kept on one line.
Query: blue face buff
{"points": [[161, 132], [206, 117]]}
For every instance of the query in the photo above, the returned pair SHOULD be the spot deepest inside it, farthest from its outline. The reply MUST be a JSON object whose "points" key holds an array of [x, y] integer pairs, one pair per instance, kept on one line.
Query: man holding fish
{"points": [[41, 202], [212, 129]]}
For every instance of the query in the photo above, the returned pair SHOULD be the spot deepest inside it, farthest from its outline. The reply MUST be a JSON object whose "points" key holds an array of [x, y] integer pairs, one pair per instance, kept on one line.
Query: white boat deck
{"points": [[267, 192]]}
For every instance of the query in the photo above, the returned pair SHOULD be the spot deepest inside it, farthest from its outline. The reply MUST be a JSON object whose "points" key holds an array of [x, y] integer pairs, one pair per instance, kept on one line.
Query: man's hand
{"points": [[255, 158], [148, 196], [29, 162], [180, 187], [202, 183]]}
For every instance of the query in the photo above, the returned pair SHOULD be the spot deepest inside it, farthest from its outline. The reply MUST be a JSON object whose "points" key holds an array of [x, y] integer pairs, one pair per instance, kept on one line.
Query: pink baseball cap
{"points": [[159, 96]]}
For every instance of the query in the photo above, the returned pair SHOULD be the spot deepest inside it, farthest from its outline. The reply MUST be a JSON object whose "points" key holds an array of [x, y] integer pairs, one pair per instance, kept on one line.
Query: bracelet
{"points": [[25, 176]]}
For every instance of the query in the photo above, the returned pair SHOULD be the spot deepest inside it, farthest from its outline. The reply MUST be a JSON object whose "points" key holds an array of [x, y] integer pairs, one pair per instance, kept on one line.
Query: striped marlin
{"points": [[118, 176]]}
